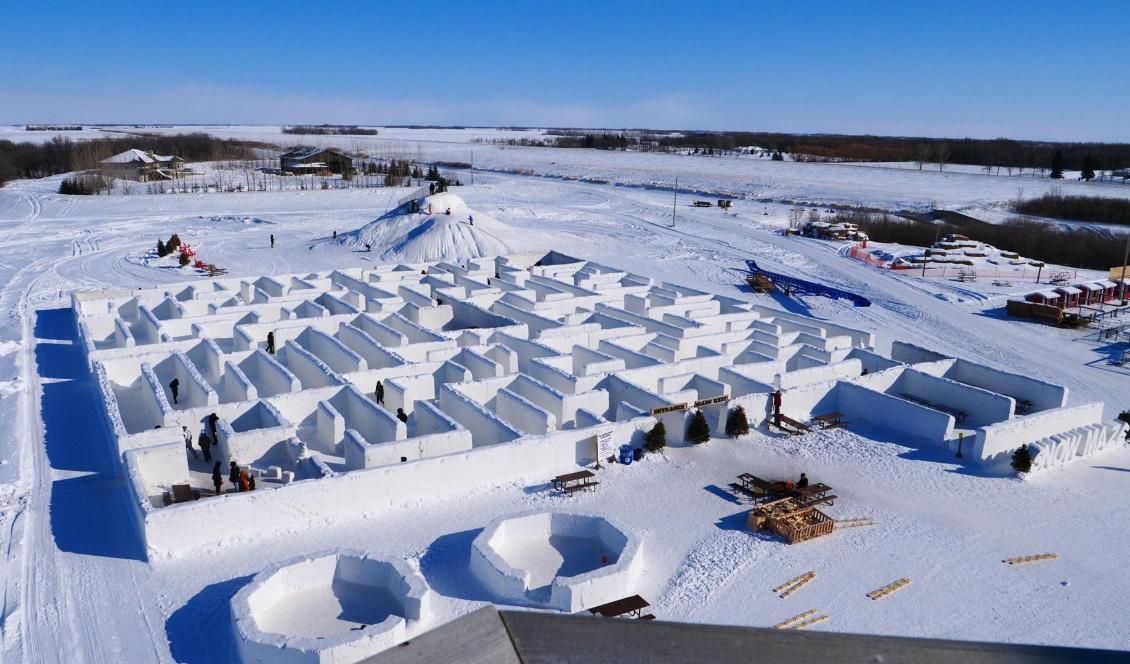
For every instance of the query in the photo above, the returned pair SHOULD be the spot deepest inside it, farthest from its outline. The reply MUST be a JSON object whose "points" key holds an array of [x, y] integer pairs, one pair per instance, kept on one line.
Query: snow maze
{"points": [[331, 607], [556, 560], [493, 370]]}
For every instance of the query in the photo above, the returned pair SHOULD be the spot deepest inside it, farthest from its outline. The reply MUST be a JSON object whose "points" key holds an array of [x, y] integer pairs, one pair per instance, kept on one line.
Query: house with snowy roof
{"points": [[141, 165], [315, 160]]}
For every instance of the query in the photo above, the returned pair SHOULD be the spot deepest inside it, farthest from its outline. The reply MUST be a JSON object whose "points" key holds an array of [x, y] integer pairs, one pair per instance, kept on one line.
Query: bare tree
{"points": [[796, 218], [942, 154], [922, 153]]}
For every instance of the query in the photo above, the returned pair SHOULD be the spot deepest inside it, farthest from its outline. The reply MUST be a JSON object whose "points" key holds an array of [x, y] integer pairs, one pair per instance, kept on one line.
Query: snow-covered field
{"points": [[77, 589]]}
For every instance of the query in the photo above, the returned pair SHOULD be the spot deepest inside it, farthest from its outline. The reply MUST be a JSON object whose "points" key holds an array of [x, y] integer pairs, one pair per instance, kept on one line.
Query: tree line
{"points": [[1095, 209], [1079, 247], [329, 130], [996, 152], [62, 155]]}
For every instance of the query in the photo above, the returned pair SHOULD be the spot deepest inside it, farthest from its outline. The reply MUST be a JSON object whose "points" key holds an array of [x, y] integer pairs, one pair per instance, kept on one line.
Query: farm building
{"points": [[141, 166], [315, 160]]}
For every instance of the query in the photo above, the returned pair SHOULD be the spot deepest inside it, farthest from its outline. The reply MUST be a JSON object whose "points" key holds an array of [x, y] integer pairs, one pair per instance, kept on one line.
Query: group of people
{"points": [[205, 440], [241, 480], [379, 397]]}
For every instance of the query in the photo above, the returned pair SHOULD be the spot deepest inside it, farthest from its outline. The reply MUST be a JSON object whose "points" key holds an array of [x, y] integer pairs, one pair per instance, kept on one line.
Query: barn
{"points": [[315, 160]]}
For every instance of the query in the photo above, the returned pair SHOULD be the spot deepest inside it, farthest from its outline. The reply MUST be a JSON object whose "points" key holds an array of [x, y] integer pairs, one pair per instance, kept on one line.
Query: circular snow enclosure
{"points": [[556, 560], [332, 607]]}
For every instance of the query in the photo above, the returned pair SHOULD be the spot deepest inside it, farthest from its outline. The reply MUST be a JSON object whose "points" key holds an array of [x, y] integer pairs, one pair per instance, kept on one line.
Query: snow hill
{"points": [[421, 236]]}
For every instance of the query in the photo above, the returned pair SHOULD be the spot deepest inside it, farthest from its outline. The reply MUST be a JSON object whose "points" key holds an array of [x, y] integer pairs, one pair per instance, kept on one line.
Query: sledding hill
{"points": [[444, 233]]}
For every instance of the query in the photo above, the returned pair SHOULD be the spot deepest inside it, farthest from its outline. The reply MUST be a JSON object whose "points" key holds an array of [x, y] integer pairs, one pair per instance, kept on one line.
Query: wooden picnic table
{"points": [[754, 484], [817, 491], [829, 420], [563, 481], [626, 606]]}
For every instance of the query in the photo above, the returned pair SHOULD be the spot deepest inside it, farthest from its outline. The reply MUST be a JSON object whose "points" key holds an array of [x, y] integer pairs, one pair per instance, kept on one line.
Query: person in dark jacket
{"points": [[188, 443], [802, 482], [233, 475], [217, 478], [174, 387], [380, 393], [251, 482], [206, 446], [272, 240], [212, 419], [401, 415], [271, 343]]}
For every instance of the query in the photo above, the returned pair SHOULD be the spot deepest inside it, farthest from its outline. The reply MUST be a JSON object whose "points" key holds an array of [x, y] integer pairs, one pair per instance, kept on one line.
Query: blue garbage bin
{"points": [[626, 455]]}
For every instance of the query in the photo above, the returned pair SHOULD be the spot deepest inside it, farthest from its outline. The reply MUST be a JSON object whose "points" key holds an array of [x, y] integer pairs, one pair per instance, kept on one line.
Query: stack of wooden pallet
{"points": [[792, 519]]}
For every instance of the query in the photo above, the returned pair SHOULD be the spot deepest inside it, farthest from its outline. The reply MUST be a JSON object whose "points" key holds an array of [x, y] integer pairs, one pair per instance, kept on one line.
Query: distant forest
{"points": [[1002, 152], [1082, 247], [329, 130], [62, 155]]}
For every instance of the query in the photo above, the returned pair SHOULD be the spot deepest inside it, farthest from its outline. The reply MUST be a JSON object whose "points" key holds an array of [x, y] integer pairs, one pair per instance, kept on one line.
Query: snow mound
{"points": [[413, 237]]}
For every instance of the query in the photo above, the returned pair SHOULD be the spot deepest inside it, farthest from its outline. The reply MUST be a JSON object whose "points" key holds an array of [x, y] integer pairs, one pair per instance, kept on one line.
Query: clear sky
{"points": [[1019, 68]]}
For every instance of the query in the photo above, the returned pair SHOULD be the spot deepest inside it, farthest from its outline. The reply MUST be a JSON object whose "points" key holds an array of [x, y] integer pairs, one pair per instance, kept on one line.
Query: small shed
{"points": [[1047, 297], [1110, 289], [1092, 293], [1071, 296]]}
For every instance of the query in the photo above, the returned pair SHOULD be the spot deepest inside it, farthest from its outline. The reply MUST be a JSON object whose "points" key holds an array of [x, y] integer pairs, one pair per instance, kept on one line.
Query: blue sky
{"points": [[1025, 69]]}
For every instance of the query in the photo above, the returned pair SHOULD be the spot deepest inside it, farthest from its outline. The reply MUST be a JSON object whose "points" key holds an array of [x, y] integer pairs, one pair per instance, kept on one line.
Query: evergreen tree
{"points": [[656, 439], [737, 424], [184, 260], [699, 431], [162, 250], [1057, 165], [173, 243], [1088, 167], [1022, 459]]}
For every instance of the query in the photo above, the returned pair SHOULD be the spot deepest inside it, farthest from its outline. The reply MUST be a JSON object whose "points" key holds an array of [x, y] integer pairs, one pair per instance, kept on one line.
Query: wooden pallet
{"points": [[800, 617], [795, 585], [854, 523], [1031, 559], [809, 623], [889, 589]]}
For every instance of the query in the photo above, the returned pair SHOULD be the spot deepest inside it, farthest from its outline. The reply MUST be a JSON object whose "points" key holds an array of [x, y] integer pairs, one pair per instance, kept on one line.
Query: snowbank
{"points": [[443, 229]]}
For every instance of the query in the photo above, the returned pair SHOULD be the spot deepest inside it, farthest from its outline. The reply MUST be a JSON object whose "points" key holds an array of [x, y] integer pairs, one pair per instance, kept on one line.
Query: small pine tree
{"points": [[1022, 459], [184, 260], [1057, 165], [737, 424], [1088, 173], [173, 243], [699, 431], [162, 250], [656, 439]]}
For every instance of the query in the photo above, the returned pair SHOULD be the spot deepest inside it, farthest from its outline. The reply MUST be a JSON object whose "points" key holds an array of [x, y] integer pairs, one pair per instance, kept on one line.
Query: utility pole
{"points": [[675, 202], [1125, 260]]}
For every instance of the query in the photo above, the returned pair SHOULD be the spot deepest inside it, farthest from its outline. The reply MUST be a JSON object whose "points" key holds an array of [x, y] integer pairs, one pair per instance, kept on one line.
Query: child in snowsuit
{"points": [[217, 478]]}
